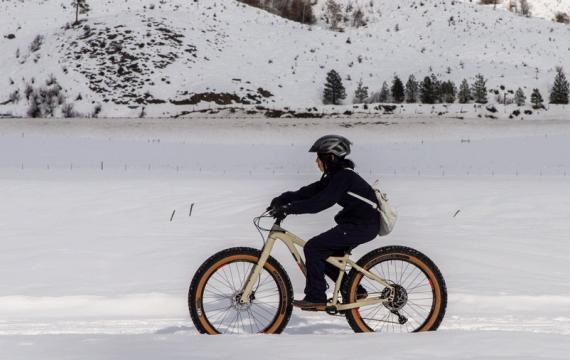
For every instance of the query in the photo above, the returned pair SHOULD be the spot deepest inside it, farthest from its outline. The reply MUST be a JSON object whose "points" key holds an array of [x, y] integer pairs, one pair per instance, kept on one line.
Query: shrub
{"points": [[34, 110], [51, 80], [15, 97], [36, 44], [28, 91], [96, 111], [562, 17], [67, 111]]}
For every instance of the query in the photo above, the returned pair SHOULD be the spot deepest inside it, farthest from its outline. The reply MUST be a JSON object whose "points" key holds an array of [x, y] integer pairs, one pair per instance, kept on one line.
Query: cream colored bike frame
{"points": [[341, 262]]}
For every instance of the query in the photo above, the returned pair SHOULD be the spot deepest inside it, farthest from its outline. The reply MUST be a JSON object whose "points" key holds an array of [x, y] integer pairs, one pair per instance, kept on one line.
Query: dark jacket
{"points": [[333, 189]]}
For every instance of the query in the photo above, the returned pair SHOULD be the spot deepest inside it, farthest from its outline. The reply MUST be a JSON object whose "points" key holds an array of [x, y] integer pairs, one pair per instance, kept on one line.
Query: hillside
{"points": [[160, 59]]}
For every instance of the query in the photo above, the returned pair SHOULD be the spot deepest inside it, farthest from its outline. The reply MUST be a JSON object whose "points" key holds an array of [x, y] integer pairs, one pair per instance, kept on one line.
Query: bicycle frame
{"points": [[291, 241]]}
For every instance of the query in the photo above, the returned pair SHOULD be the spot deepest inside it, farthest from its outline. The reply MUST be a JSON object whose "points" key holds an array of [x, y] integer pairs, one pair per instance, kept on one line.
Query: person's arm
{"points": [[303, 193], [324, 199]]}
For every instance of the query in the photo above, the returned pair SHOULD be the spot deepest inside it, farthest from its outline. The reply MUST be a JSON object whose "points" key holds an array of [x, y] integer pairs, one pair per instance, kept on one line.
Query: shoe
{"points": [[308, 305], [361, 293]]}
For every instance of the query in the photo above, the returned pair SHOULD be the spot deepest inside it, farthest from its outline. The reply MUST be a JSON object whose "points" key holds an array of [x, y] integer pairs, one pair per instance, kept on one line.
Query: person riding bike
{"points": [[357, 222]]}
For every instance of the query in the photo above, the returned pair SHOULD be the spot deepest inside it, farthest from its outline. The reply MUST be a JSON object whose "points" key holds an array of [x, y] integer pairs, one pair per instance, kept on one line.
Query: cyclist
{"points": [[357, 222]]}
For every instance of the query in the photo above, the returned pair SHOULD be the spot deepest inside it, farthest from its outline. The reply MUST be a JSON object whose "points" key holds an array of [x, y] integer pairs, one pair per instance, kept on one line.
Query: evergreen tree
{"points": [[334, 89], [560, 89], [397, 90], [384, 93], [448, 91], [479, 90], [536, 99], [361, 93], [411, 89], [464, 94], [81, 7], [427, 95], [436, 84], [520, 97]]}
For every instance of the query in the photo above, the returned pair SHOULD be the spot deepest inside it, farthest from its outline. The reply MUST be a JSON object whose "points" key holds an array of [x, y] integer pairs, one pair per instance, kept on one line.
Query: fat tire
{"points": [[272, 266], [438, 312]]}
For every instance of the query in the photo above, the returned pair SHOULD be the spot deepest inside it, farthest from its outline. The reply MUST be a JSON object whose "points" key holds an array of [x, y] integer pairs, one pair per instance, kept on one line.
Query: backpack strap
{"points": [[371, 203]]}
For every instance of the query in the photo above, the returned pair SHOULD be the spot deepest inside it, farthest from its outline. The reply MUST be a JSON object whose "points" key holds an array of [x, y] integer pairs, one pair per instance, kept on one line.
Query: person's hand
{"points": [[279, 212], [275, 203]]}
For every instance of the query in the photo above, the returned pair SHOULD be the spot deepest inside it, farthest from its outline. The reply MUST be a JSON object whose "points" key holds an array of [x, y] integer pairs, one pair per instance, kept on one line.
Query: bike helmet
{"points": [[332, 144]]}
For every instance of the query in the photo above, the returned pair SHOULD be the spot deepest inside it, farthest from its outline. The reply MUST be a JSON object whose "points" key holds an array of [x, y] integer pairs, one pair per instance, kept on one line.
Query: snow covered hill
{"points": [[545, 9], [152, 58]]}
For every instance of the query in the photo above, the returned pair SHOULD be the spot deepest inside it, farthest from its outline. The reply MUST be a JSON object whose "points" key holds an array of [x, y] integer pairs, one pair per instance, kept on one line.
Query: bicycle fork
{"points": [[253, 276]]}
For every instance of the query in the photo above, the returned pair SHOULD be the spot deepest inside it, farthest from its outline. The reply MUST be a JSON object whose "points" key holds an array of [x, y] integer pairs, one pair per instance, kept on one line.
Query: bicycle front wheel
{"points": [[420, 296], [216, 286]]}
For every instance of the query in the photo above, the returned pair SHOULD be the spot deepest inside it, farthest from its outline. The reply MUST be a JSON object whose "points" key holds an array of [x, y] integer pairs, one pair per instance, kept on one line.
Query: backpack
{"points": [[387, 213]]}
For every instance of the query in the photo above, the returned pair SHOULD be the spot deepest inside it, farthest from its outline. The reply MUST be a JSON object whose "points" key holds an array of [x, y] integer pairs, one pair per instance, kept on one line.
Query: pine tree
{"points": [[520, 97], [397, 90], [427, 95], [448, 91], [411, 89], [81, 7], [361, 93], [334, 89], [560, 89], [479, 90], [536, 99], [436, 84], [384, 93], [464, 92]]}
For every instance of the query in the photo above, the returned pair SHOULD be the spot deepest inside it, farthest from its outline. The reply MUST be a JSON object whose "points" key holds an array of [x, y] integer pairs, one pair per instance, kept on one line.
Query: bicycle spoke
{"points": [[418, 299], [219, 301]]}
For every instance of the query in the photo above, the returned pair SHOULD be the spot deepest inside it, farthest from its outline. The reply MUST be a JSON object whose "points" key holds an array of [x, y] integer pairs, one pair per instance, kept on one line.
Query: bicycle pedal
{"points": [[331, 310]]}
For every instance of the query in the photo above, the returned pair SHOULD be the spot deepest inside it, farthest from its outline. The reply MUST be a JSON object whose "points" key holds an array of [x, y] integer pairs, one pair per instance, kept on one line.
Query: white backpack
{"points": [[388, 214]]}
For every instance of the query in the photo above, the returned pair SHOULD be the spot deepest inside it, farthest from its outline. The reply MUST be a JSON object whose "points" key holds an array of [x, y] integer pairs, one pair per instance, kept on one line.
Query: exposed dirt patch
{"points": [[119, 62]]}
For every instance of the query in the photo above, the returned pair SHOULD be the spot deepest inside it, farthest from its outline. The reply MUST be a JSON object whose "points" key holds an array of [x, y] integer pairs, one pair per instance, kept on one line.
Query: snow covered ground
{"points": [[92, 267]]}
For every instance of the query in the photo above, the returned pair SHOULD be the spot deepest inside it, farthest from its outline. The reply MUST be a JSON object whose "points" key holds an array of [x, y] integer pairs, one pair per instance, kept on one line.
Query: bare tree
{"points": [[81, 7], [525, 8], [333, 14]]}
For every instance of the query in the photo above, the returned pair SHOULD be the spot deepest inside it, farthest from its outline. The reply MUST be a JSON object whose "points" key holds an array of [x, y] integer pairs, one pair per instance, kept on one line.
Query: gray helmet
{"points": [[332, 144]]}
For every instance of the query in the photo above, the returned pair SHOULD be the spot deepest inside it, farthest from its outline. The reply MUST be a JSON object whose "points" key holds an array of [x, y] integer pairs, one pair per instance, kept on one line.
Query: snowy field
{"points": [[93, 268]]}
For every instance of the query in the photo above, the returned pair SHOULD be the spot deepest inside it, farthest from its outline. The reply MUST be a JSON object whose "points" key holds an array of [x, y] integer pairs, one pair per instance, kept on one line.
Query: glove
{"points": [[279, 212], [276, 202]]}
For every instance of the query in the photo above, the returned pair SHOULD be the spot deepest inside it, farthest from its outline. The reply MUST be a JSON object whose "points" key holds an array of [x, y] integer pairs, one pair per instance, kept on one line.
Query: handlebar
{"points": [[265, 214]]}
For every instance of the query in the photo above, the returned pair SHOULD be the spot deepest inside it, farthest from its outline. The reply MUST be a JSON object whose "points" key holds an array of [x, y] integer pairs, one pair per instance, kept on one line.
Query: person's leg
{"points": [[352, 236], [333, 241], [316, 251]]}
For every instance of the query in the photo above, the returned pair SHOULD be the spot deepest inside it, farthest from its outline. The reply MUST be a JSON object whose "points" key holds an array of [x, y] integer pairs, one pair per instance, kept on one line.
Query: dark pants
{"points": [[335, 241]]}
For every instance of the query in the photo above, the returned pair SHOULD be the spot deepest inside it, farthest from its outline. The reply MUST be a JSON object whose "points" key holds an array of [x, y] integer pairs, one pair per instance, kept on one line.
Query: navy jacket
{"points": [[333, 189]]}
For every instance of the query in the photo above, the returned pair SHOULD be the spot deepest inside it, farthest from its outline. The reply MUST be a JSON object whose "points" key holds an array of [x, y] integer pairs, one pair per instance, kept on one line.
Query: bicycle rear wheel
{"points": [[420, 297], [216, 286]]}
